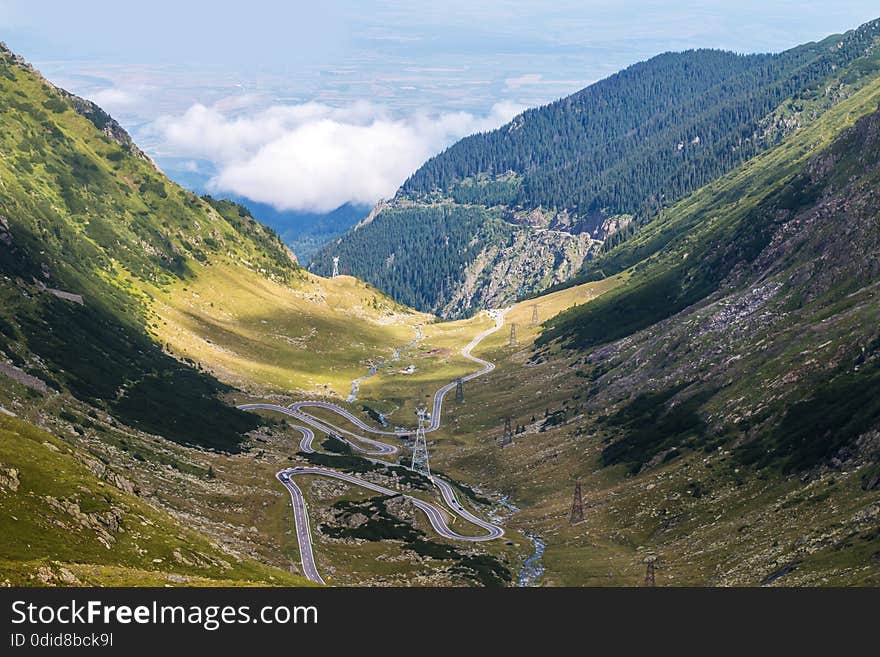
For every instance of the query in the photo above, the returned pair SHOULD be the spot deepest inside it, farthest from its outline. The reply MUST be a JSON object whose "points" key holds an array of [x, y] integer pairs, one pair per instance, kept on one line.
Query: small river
{"points": [[532, 569]]}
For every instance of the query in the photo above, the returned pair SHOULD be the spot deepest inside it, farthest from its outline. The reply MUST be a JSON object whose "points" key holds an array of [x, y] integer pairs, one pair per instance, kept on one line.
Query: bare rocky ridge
{"points": [[536, 259]]}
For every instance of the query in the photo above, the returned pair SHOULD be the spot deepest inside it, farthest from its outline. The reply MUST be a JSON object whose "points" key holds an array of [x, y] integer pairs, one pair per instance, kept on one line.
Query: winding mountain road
{"points": [[436, 515]]}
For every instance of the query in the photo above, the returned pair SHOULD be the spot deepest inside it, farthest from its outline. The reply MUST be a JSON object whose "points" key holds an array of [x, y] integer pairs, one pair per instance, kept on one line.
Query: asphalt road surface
{"points": [[436, 515]]}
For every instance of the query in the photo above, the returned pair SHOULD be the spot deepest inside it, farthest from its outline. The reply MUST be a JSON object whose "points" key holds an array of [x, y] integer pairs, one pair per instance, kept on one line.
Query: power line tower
{"points": [[577, 506], [534, 314], [335, 267], [650, 567], [420, 448], [459, 391], [507, 436], [513, 340]]}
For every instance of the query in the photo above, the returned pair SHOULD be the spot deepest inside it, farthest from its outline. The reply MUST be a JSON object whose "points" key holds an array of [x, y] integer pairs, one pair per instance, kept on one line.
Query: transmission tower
{"points": [[507, 437], [577, 506], [513, 340], [650, 567], [534, 314], [420, 448], [459, 391], [335, 267]]}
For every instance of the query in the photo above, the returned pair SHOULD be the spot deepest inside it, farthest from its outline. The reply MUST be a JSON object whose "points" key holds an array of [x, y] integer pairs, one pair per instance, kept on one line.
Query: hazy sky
{"points": [[307, 107]]}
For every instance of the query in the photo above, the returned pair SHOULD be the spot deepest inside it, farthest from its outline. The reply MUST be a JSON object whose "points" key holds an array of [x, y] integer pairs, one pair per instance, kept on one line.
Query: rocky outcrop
{"points": [[104, 525], [56, 575], [23, 378], [8, 479], [402, 507], [535, 260], [5, 232]]}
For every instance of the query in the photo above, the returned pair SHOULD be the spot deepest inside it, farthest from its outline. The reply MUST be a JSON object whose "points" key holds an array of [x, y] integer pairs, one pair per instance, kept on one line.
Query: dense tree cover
{"points": [[491, 192], [690, 251], [650, 133], [633, 143], [306, 232], [416, 254]]}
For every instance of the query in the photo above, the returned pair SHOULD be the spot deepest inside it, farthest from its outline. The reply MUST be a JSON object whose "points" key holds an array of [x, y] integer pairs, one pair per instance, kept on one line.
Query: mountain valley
{"points": [[681, 265]]}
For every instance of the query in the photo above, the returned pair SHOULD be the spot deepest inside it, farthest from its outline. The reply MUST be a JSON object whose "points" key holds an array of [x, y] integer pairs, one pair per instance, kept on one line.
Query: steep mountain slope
{"points": [[87, 223], [129, 308], [63, 524], [590, 166], [719, 404], [758, 298]]}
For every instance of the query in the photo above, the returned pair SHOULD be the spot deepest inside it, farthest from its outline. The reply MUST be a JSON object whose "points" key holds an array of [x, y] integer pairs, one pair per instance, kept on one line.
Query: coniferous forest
{"points": [[654, 131], [629, 145]]}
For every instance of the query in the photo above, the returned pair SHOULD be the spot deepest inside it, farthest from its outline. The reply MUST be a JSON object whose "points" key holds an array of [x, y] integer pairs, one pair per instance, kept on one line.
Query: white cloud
{"points": [[316, 157], [527, 79], [114, 99]]}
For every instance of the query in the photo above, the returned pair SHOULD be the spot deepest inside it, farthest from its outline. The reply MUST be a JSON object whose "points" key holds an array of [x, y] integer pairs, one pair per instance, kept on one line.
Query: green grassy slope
{"points": [[684, 255], [262, 336], [84, 212], [132, 315], [63, 525]]}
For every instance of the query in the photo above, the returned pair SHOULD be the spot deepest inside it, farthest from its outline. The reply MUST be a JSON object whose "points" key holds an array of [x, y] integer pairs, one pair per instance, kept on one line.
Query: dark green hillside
{"points": [[750, 312], [646, 135], [416, 265], [597, 164], [84, 212], [688, 251]]}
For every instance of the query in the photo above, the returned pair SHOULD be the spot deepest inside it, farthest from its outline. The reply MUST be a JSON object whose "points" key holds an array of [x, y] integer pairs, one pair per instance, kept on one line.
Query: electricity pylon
{"points": [[459, 391], [420, 448], [513, 340], [577, 506], [650, 567], [534, 314], [335, 267], [507, 437]]}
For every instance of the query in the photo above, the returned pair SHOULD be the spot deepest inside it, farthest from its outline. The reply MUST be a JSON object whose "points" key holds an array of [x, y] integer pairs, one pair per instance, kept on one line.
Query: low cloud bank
{"points": [[314, 157]]}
